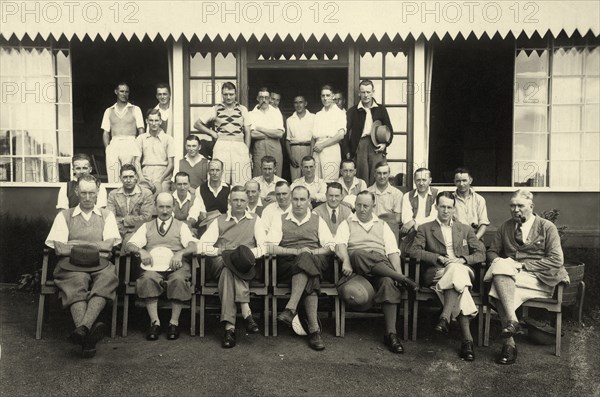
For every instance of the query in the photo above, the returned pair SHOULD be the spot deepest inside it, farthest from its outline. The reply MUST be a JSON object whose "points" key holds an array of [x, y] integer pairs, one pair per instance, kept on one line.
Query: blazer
{"points": [[355, 122], [429, 243]]}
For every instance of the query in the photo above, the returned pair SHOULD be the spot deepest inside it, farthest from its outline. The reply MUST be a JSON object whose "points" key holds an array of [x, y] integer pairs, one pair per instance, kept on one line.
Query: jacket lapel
{"points": [[436, 230], [457, 240]]}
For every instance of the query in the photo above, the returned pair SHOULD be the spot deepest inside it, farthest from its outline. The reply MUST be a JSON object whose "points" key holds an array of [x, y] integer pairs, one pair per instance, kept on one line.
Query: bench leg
{"points": [[193, 315], [202, 315], [266, 315], [405, 320], [580, 301], [558, 334], [337, 316], [40, 316], [488, 320], [125, 314], [480, 322], [113, 320], [274, 315], [415, 318], [342, 318]]}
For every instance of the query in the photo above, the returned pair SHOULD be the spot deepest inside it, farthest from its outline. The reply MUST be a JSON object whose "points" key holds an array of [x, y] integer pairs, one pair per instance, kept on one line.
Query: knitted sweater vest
{"points": [[371, 240], [305, 235], [171, 239], [232, 235], [214, 203], [80, 229], [414, 202]]}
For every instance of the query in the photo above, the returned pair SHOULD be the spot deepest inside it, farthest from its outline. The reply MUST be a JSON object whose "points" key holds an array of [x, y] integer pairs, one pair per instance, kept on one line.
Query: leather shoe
{"points": [[251, 325], [513, 328], [467, 351], [172, 332], [286, 317], [78, 335], [153, 332], [228, 339], [315, 341], [88, 349], [508, 355], [393, 343], [442, 326]]}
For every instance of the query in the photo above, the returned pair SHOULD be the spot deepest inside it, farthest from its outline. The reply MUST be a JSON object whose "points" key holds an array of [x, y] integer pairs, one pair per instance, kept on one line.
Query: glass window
{"points": [[371, 65], [396, 65], [395, 92], [225, 65], [200, 65]]}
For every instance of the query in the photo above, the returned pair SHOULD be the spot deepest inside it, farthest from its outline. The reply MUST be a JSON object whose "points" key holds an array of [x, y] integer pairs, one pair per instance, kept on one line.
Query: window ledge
{"points": [[49, 184]]}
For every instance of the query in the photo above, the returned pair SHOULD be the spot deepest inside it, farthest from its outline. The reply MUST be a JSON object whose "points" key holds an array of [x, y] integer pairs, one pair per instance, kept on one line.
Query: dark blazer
{"points": [[429, 243], [355, 122]]}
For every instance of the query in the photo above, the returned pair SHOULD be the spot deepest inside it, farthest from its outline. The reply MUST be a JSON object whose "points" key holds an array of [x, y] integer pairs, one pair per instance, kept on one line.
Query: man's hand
{"points": [[146, 258], [410, 284], [317, 148], [304, 249], [346, 268], [407, 226], [294, 163], [62, 249], [176, 261], [380, 148]]}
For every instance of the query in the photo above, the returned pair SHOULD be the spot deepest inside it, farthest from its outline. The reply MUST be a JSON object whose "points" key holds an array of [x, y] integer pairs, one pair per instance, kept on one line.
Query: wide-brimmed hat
{"points": [[357, 292], [161, 259], [380, 133], [241, 262], [84, 258], [211, 216]]}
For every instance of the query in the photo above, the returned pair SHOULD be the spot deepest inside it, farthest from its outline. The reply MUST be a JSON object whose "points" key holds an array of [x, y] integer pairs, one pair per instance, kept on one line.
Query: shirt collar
{"points": [[374, 219], [528, 222], [161, 135], [167, 222], [387, 189], [188, 197], [373, 105], [78, 211], [223, 184], [355, 182], [428, 192], [136, 190], [471, 194], [290, 217], [295, 115], [128, 105], [247, 215], [442, 225], [199, 155]]}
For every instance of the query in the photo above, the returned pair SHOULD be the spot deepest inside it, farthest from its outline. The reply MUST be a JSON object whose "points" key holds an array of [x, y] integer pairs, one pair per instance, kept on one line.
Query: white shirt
{"points": [[300, 130], [206, 246], [60, 230], [137, 113], [270, 118], [369, 119], [187, 198], [317, 188], [253, 210], [407, 211], [389, 240], [191, 162], [139, 237], [328, 123], [271, 212], [164, 116], [276, 232], [62, 202], [266, 187], [198, 206], [447, 233], [526, 228]]}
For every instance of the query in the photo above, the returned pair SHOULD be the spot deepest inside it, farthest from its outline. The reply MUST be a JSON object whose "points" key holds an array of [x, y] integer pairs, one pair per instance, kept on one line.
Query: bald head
{"points": [[164, 206]]}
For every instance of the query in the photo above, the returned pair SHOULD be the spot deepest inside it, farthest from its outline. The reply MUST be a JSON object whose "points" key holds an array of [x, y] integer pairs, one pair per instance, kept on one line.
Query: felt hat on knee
{"points": [[357, 292], [84, 258], [241, 262]]}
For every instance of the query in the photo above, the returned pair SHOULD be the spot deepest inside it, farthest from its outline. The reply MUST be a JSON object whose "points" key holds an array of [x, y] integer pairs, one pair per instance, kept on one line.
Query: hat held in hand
{"points": [[241, 262], [357, 292], [380, 133], [84, 258]]}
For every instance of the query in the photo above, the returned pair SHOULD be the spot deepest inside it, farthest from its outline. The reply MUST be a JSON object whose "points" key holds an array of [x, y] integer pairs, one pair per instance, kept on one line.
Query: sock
{"points": [[505, 288], [298, 284], [152, 308], [175, 312], [229, 326], [450, 301], [311, 303], [78, 311], [465, 323], [389, 314], [245, 308], [94, 307]]}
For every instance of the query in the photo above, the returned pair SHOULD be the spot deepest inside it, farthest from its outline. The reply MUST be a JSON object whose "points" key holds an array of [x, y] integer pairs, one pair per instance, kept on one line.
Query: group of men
{"points": [[304, 224]]}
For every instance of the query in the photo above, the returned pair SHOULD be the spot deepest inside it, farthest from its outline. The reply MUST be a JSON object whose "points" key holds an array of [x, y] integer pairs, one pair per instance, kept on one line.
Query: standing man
{"points": [[367, 246], [332, 212], [172, 277], [282, 205], [452, 249], [210, 197], [339, 99], [194, 164], [302, 242], [299, 135], [156, 153], [315, 185], [351, 185], [470, 206], [163, 95], [182, 198], [328, 130], [267, 180], [388, 199], [120, 125], [526, 262], [255, 205], [417, 207], [131, 204], [85, 234], [232, 243], [67, 195], [230, 129], [266, 130], [357, 143]]}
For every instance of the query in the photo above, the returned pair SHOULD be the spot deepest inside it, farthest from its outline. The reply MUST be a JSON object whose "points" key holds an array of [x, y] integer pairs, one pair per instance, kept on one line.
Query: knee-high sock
{"points": [[176, 307], [78, 310], [298, 283], [311, 303], [152, 308], [94, 307], [505, 287], [389, 314], [450, 301], [465, 322], [504, 321], [245, 308]]}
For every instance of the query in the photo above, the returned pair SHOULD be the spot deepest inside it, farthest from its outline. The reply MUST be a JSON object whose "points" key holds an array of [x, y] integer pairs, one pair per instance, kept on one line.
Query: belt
{"points": [[231, 138], [299, 143]]}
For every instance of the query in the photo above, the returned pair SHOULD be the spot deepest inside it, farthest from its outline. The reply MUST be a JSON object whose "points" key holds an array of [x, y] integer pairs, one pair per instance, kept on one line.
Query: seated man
{"points": [[255, 205], [210, 197], [366, 245], [451, 248], [526, 262], [302, 242], [236, 228], [388, 199], [283, 197], [267, 180], [331, 211], [67, 195], [417, 207], [183, 198], [132, 204], [351, 185], [471, 208], [315, 185], [194, 163], [172, 276], [77, 235]]}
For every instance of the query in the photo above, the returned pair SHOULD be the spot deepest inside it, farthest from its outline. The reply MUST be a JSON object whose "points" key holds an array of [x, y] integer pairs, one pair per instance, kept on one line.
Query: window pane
{"points": [[530, 173], [530, 90], [196, 112], [566, 118], [531, 119], [565, 146], [590, 144], [63, 63], [395, 92], [590, 175], [4, 143], [63, 90], [531, 146], [200, 65], [371, 66], [5, 169], [397, 149], [225, 65], [64, 117], [50, 169], [201, 92], [396, 66], [592, 118], [377, 86], [65, 143], [567, 62], [397, 167], [564, 174], [592, 63], [534, 64], [592, 90], [566, 90], [398, 118]]}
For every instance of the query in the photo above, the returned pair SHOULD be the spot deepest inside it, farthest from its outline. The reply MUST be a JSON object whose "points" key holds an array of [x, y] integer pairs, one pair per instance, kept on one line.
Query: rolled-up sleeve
{"points": [[342, 236], [389, 240], [139, 237], [197, 207], [275, 232], [105, 126], [185, 235], [260, 237], [59, 231], [139, 118], [325, 238], [206, 245]]}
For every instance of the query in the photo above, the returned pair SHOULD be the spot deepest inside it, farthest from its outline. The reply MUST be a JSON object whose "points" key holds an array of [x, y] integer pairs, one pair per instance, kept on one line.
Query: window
{"points": [[389, 73], [557, 117], [35, 121]]}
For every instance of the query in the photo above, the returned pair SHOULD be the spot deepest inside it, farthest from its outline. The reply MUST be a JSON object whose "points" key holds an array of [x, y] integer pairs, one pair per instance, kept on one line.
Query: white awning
{"points": [[260, 19]]}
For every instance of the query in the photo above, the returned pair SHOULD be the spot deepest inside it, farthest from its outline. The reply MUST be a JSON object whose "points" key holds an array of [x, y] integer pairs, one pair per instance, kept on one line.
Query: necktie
{"points": [[333, 217], [519, 234], [161, 229]]}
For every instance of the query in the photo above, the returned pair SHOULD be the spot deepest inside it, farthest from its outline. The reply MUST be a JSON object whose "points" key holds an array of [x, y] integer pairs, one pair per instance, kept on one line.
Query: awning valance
{"points": [[321, 19]]}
